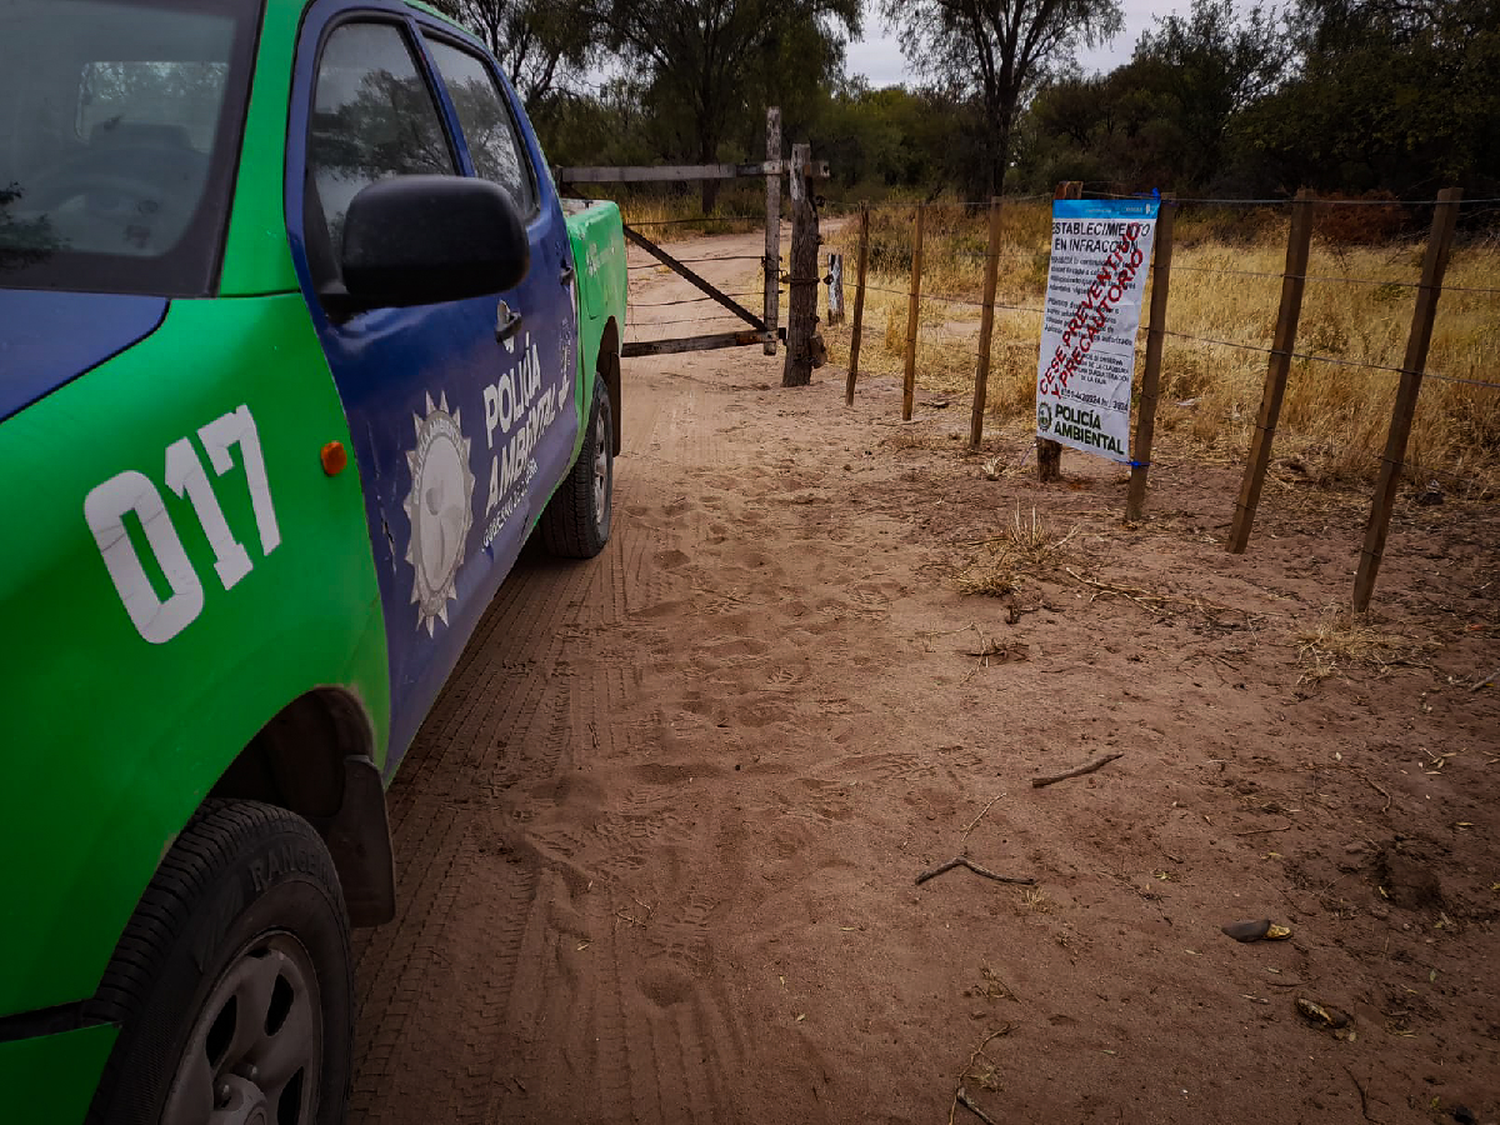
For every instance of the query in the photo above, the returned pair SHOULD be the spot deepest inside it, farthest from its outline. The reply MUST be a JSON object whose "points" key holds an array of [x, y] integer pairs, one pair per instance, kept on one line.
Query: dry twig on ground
{"points": [[1079, 771], [965, 861]]}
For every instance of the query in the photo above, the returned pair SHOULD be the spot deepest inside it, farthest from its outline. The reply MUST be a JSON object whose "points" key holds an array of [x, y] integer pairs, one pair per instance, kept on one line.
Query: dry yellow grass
{"points": [[672, 216], [1343, 639], [1334, 416], [1029, 548]]}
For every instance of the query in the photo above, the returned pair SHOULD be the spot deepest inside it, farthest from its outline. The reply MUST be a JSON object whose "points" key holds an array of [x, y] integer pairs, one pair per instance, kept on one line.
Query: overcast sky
{"points": [[878, 55]]}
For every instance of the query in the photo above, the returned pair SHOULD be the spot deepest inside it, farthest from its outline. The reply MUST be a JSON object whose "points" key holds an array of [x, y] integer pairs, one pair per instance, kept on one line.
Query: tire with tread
{"points": [[238, 871], [576, 522]]}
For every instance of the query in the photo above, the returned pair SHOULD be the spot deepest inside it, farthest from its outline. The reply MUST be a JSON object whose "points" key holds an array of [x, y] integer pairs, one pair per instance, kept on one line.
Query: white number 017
{"points": [[158, 620]]}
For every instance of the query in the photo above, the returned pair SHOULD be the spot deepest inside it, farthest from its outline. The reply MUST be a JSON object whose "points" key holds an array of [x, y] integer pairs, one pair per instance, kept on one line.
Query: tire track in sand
{"points": [[506, 864]]}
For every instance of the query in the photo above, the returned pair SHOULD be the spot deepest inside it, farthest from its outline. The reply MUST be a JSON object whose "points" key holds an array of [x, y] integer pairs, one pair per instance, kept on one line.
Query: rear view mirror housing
{"points": [[419, 240]]}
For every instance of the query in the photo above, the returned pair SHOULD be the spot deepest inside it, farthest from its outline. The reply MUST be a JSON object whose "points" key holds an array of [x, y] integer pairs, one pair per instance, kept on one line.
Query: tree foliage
{"points": [[1168, 116], [541, 43], [992, 54], [708, 68], [1400, 95]]}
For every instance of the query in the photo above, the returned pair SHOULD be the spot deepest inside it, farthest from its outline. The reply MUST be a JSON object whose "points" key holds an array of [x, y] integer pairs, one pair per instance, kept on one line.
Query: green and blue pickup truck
{"points": [[298, 347]]}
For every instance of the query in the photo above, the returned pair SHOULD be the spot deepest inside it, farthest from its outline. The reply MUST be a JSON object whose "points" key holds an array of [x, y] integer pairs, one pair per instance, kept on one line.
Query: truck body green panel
{"points": [[116, 738]]}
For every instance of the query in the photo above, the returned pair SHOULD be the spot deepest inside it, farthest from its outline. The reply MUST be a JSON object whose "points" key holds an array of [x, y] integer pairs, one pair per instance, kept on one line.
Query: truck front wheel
{"points": [[232, 982]]}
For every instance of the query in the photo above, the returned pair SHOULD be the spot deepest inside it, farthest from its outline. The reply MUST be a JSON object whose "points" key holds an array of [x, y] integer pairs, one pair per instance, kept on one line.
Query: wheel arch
{"points": [[316, 758]]}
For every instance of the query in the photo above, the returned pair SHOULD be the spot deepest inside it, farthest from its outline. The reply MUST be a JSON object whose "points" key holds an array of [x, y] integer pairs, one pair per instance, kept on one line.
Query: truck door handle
{"points": [[566, 275], [507, 322]]}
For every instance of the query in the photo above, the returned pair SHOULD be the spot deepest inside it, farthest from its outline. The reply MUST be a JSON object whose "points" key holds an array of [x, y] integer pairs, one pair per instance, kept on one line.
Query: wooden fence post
{"points": [[773, 228], [859, 301], [1145, 422], [1049, 452], [1293, 281], [835, 289], [986, 326], [802, 305], [909, 379], [1434, 265]]}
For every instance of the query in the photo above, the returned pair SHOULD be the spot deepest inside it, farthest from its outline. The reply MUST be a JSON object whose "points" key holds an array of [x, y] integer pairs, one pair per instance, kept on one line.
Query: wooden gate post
{"points": [[1049, 452], [859, 301], [1145, 422], [986, 326], [1434, 265], [802, 305], [909, 379], [1293, 281], [773, 227]]}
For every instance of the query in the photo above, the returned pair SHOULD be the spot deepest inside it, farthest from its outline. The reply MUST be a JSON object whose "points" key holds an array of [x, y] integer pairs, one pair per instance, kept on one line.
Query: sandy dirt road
{"points": [[656, 844]]}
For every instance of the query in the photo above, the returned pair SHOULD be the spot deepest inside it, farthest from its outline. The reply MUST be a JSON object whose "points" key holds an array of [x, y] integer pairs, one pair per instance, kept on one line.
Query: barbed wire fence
{"points": [[941, 337], [955, 292]]}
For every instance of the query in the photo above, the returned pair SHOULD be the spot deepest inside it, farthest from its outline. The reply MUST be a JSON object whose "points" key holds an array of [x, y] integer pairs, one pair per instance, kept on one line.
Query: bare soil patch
{"points": [[658, 843]]}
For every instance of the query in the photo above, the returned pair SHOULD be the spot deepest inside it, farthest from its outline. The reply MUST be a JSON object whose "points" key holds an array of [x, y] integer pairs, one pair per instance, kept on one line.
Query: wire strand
{"points": [[1312, 357], [953, 300], [702, 220], [1319, 202], [683, 301]]}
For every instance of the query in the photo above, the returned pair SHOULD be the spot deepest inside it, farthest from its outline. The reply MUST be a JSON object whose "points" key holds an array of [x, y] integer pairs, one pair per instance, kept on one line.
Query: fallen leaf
{"points": [[801, 1017]]}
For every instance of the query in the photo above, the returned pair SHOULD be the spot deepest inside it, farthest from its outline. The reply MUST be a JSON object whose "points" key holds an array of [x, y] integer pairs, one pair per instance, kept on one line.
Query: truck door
{"points": [[435, 395], [502, 148]]}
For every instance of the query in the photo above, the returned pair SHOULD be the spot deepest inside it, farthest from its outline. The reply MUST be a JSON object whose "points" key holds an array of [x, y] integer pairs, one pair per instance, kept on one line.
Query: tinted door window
{"points": [[494, 144], [373, 117]]}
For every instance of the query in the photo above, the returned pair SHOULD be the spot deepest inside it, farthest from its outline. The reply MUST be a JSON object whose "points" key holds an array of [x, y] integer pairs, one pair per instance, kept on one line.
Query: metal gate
{"points": [[762, 329]]}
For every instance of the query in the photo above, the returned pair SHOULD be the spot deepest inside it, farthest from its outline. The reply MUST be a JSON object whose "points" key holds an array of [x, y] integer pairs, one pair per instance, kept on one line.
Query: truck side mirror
{"points": [[418, 240]]}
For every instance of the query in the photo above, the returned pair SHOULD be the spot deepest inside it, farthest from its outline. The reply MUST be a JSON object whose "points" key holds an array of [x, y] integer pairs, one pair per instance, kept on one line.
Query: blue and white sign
{"points": [[1101, 252]]}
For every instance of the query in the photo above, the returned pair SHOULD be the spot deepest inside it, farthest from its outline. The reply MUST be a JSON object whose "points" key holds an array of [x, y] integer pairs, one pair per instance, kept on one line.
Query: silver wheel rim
{"points": [[256, 1048], [601, 471]]}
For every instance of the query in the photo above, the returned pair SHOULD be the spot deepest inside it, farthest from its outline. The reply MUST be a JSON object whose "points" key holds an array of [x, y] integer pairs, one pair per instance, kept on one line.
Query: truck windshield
{"points": [[119, 133]]}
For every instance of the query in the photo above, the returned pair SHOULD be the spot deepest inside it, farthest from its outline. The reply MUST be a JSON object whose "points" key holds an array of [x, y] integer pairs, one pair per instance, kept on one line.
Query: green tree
{"points": [[1396, 95], [886, 138], [994, 54], [540, 43], [712, 66], [1206, 69]]}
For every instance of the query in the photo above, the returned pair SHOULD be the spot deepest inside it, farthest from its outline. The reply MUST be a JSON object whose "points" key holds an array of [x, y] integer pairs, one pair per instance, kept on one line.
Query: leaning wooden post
{"points": [[859, 301], [1293, 281], [909, 379], [1049, 452], [1145, 422], [802, 306], [1434, 265], [986, 326], [773, 226]]}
